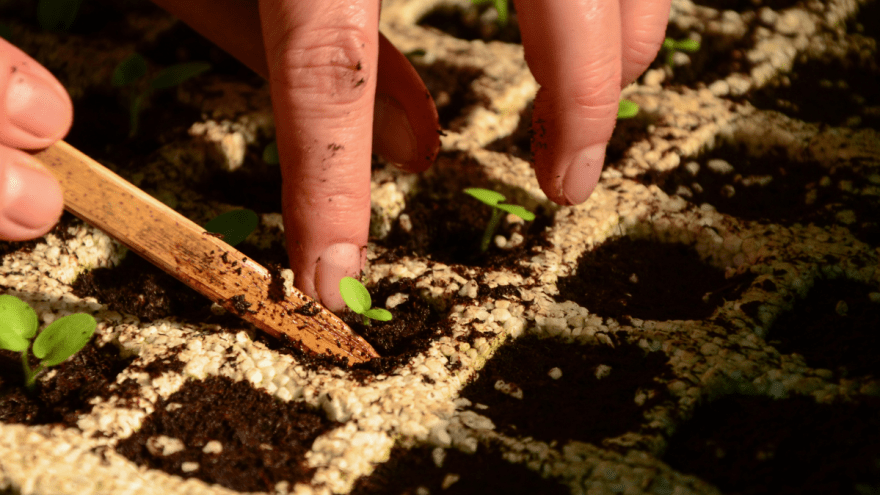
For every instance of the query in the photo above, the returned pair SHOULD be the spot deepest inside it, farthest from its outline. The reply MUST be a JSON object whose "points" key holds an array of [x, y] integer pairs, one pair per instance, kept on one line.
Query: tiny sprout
{"points": [[270, 154], [63, 338], [670, 46], [233, 226], [627, 109], [494, 200], [500, 6], [134, 67], [357, 298]]}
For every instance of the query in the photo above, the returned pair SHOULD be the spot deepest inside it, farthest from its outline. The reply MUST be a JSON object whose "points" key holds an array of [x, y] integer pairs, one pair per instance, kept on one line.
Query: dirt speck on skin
{"points": [[264, 440]]}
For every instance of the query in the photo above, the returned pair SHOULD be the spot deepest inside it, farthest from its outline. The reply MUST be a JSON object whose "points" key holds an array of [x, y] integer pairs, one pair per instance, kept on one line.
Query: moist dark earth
{"points": [[740, 442]]}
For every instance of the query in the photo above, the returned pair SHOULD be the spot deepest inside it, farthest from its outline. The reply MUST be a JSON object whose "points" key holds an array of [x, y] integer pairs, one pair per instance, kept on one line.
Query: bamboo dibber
{"points": [[183, 249]]}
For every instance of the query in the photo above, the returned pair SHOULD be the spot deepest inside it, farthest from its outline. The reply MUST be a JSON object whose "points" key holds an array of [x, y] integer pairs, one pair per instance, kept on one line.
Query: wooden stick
{"points": [[183, 249]]}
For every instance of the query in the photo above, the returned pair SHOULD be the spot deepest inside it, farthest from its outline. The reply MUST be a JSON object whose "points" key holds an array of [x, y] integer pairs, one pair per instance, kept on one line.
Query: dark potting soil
{"points": [[578, 405], [625, 278], [264, 440], [465, 23], [447, 226], [64, 396], [836, 327], [482, 473], [792, 192], [749, 444]]}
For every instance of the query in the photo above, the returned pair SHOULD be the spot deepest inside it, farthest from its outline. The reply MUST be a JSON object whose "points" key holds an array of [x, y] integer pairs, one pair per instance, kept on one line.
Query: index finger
{"points": [[573, 48], [322, 59]]}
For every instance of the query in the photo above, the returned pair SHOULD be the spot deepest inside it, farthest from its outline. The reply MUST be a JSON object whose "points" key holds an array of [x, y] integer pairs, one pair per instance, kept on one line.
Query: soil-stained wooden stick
{"points": [[207, 264]]}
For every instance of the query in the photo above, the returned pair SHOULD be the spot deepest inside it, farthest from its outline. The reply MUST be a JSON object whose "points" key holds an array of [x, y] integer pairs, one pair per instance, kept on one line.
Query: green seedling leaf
{"points": [[355, 295], [627, 109], [18, 323], [487, 196], [57, 15], [177, 74], [500, 7], [378, 314], [518, 211], [129, 70], [270, 154], [668, 44], [687, 45], [5, 31], [234, 225], [63, 338]]}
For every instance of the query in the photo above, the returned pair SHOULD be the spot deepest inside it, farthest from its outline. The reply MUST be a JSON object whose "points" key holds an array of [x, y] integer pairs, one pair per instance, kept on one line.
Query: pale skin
{"points": [[339, 91]]}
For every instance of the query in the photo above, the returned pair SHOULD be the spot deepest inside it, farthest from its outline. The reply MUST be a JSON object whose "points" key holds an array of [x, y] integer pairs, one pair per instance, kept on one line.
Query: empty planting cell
{"points": [[551, 390], [834, 89], [263, 441], [774, 188], [747, 444], [625, 278], [449, 471], [836, 327]]}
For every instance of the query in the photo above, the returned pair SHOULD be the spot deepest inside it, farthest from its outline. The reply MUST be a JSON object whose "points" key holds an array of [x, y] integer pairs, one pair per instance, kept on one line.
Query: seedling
{"points": [[233, 226], [270, 154], [670, 46], [500, 6], [134, 68], [627, 109], [494, 200], [63, 338], [357, 298]]}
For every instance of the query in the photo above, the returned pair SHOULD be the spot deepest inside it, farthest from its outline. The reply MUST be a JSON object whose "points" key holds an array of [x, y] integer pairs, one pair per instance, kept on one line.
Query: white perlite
{"points": [[418, 403]]}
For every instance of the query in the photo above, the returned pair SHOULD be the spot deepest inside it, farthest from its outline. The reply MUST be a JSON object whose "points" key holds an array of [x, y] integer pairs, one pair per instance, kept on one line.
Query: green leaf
{"points": [[235, 225], [129, 70], [18, 317], [518, 211], [270, 154], [63, 338], [668, 44], [177, 74], [57, 15], [5, 31], [12, 340], [378, 314], [687, 45], [355, 295], [627, 109], [487, 196]]}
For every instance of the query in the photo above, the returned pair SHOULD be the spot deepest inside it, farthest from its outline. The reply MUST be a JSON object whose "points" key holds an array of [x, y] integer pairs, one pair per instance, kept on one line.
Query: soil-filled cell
{"points": [[416, 471], [760, 445], [476, 22], [625, 278], [550, 390], [228, 433], [836, 327]]}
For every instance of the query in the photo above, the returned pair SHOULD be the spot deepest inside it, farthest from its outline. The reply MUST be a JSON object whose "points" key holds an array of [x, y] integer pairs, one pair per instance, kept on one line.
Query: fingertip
{"points": [[337, 261], [30, 197]]}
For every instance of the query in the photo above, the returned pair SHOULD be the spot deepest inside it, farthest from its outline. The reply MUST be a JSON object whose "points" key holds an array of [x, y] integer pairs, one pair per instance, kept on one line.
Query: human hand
{"points": [[327, 64], [35, 111], [582, 52]]}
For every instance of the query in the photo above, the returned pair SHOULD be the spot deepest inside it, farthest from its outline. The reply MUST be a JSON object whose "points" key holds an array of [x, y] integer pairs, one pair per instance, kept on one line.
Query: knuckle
{"points": [[331, 64]]}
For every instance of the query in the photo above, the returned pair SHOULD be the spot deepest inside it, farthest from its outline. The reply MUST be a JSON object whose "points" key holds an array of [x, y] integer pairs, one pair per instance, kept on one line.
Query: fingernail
{"points": [[337, 261], [583, 174], [32, 197], [35, 106], [393, 136]]}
